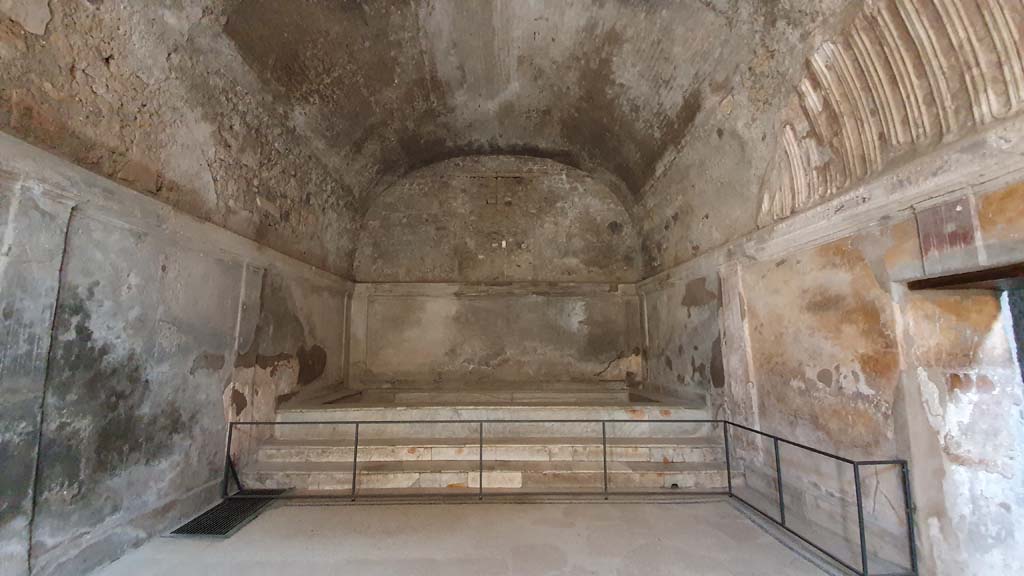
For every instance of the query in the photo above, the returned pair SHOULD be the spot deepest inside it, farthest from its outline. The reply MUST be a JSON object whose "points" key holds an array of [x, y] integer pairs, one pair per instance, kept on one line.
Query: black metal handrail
{"points": [[230, 472]]}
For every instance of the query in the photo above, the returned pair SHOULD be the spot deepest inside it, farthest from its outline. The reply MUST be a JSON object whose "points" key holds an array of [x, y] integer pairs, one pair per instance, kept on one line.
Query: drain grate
{"points": [[230, 515]]}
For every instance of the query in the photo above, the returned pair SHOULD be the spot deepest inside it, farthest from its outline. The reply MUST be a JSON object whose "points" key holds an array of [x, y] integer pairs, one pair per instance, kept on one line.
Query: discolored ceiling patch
{"points": [[384, 88]]}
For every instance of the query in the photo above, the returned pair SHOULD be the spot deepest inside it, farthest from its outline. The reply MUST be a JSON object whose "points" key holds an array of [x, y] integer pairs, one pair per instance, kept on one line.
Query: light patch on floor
{"points": [[707, 539]]}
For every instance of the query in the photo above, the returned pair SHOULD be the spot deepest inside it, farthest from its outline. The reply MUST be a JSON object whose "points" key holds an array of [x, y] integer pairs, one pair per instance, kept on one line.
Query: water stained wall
{"points": [[966, 383], [704, 120], [158, 336], [869, 368], [493, 337], [824, 343], [32, 246], [679, 363]]}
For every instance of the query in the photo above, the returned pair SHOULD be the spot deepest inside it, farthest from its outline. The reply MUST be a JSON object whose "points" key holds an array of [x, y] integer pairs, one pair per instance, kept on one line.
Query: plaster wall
{"points": [[492, 272], [870, 369], [677, 362], [965, 413], [524, 334], [32, 231], [132, 333], [815, 348]]}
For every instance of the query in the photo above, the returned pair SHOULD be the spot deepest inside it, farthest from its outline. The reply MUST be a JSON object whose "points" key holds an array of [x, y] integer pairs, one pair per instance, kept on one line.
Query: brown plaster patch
{"points": [[951, 328], [825, 377], [697, 294], [1000, 214], [964, 383], [312, 363], [717, 365], [207, 361], [904, 252], [238, 402], [817, 320], [282, 398], [822, 301]]}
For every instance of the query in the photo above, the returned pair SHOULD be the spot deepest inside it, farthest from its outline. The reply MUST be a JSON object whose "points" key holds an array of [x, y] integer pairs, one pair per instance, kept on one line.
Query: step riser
{"points": [[646, 450], [528, 453], [708, 480]]}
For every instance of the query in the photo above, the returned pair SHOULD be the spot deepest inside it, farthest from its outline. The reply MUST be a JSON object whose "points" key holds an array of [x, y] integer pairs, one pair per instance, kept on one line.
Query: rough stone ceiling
{"points": [[382, 88], [283, 121]]}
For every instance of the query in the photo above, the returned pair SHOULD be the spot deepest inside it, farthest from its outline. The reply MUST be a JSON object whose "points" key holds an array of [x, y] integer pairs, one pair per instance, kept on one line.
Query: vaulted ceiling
{"points": [[284, 121], [382, 88]]}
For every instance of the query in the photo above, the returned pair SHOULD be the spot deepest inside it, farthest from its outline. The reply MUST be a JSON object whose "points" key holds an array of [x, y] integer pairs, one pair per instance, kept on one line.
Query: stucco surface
{"points": [[158, 330], [489, 337]]}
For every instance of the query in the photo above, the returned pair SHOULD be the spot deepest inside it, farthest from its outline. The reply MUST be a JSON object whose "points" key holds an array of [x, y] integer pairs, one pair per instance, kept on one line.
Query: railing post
{"points": [[860, 520], [909, 507], [227, 461], [778, 481], [604, 455], [481, 489], [728, 462], [355, 461]]}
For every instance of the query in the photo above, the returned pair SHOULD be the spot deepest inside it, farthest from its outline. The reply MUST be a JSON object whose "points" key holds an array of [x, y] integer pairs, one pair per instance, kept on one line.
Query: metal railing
{"points": [[231, 473], [859, 497]]}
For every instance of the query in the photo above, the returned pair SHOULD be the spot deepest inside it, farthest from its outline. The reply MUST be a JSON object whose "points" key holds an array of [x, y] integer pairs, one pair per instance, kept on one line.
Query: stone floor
{"points": [[707, 539]]}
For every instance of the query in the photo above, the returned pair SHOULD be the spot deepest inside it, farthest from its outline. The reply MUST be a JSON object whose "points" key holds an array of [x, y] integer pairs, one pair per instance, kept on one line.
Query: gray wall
{"points": [[420, 334], [682, 346], [131, 334], [498, 219]]}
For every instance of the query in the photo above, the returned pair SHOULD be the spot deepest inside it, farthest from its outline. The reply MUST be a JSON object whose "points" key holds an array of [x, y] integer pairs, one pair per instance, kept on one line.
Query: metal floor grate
{"points": [[229, 516]]}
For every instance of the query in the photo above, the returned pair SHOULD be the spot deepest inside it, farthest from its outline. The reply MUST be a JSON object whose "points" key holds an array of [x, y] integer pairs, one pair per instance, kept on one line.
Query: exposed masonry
{"points": [[904, 76], [283, 123], [497, 218]]}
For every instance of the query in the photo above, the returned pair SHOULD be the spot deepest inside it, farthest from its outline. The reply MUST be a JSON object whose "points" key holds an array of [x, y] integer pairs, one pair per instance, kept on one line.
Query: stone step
{"points": [[490, 392], [468, 393], [490, 385], [664, 450], [444, 475], [631, 421], [524, 396]]}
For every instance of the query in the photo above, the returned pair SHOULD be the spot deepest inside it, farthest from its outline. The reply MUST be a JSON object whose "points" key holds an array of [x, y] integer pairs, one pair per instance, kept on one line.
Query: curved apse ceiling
{"points": [[381, 88]]}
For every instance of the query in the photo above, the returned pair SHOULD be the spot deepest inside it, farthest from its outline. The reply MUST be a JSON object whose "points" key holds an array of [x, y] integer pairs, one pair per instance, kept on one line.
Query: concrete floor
{"points": [[707, 539]]}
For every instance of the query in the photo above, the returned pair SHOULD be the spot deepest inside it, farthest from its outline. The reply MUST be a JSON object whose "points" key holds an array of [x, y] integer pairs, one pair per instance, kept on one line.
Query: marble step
{"points": [[664, 450], [444, 475], [631, 421], [488, 385], [469, 393], [523, 396]]}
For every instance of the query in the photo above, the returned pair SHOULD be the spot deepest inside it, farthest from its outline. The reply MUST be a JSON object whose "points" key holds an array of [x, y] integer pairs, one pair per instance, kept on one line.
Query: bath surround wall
{"points": [[131, 334], [822, 343], [522, 335]]}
